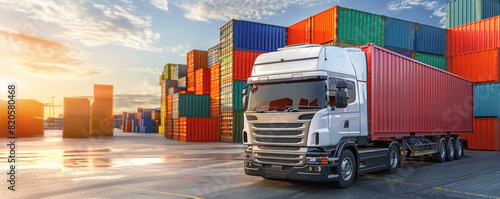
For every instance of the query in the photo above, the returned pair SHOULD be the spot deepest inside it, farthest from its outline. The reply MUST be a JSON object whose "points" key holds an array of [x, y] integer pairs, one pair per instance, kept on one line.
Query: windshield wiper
{"points": [[294, 107]]}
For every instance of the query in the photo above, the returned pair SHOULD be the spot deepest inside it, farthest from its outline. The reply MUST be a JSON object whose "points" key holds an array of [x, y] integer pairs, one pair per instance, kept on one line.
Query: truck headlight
{"points": [[317, 160], [248, 156]]}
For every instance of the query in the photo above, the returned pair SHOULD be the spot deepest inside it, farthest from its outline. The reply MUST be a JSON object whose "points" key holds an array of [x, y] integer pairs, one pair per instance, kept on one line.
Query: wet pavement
{"points": [[132, 165]]}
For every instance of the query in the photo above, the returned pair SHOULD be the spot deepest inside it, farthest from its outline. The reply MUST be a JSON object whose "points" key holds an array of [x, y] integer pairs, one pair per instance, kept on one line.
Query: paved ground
{"points": [[148, 166]]}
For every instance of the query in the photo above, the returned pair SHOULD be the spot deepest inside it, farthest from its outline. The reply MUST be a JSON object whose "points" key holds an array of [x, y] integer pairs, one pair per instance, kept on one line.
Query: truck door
{"points": [[343, 122]]}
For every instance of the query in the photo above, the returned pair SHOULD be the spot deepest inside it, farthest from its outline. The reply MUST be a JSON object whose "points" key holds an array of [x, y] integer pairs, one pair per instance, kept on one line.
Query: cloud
{"points": [[130, 102], [437, 7], [43, 58], [182, 50], [91, 24], [206, 10]]}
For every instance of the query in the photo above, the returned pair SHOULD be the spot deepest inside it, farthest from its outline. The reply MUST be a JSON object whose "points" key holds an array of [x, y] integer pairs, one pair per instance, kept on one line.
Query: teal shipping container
{"points": [[398, 33], [232, 96], [487, 100], [429, 39], [190, 105], [459, 12], [359, 27], [433, 60]]}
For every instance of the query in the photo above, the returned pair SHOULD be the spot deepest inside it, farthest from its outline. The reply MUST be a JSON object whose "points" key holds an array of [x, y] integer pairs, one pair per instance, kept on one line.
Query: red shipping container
{"points": [[407, 97], [243, 61], [169, 129], [202, 77], [300, 32], [478, 66], [486, 134], [195, 59], [324, 26], [175, 132], [170, 102], [479, 35], [199, 129], [280, 104]]}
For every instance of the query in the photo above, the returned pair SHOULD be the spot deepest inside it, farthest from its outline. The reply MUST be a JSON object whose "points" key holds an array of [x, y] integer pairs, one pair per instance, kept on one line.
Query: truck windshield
{"points": [[287, 96]]}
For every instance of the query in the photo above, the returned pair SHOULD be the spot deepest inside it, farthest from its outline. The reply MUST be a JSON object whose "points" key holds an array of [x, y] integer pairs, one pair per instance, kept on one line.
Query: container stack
{"points": [[53, 123], [196, 59], [165, 86], [155, 116], [473, 52], [146, 124], [345, 27], [117, 121], [241, 42], [460, 12], [169, 127], [213, 56], [191, 107], [179, 70], [202, 81], [101, 111], [76, 113], [29, 118]]}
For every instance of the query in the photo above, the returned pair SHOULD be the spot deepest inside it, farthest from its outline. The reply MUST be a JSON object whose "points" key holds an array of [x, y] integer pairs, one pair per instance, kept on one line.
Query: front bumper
{"points": [[327, 173]]}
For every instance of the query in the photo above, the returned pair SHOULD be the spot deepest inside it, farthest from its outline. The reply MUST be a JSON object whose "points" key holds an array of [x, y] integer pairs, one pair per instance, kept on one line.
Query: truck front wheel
{"points": [[393, 159], [346, 169]]}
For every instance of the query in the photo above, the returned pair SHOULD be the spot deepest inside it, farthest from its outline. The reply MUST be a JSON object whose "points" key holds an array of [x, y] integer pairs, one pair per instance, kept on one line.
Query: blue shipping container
{"points": [[258, 37], [487, 100], [490, 8], [147, 130], [147, 123], [430, 40], [398, 33]]}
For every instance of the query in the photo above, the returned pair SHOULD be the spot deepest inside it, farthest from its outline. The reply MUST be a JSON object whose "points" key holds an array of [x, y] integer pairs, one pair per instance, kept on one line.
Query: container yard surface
{"points": [[132, 165]]}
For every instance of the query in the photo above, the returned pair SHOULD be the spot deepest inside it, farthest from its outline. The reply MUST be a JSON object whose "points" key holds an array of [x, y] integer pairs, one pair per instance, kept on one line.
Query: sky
{"points": [[61, 48]]}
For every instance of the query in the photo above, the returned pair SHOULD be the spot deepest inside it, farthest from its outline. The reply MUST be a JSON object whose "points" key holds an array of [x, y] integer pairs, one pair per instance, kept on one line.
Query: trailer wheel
{"points": [[393, 159], [440, 156], [346, 169], [459, 149], [450, 151]]}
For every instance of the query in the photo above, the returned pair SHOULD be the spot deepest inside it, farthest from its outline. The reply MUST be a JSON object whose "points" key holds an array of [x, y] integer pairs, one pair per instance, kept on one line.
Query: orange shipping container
{"points": [[215, 90], [479, 66], [29, 118], [169, 129], [76, 128], [199, 129], [101, 109], [190, 82], [476, 36], [170, 101], [202, 77], [324, 26], [103, 92], [243, 61], [486, 134], [101, 127], [300, 32], [195, 59], [76, 107], [175, 132]]}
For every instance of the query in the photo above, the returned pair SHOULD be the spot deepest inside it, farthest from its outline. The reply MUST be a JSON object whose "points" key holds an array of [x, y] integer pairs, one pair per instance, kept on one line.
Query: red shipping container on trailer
{"points": [[202, 82], [243, 63], [300, 32], [478, 66], [199, 129], [410, 98], [486, 134], [479, 35]]}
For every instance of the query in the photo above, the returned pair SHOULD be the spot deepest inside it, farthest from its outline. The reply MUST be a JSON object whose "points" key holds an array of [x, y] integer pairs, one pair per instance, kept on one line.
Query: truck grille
{"points": [[279, 158], [286, 134]]}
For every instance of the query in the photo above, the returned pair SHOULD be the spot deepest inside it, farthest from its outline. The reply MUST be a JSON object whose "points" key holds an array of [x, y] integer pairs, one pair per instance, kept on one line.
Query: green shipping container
{"points": [[232, 96], [459, 12], [433, 60], [237, 125], [356, 26], [190, 105]]}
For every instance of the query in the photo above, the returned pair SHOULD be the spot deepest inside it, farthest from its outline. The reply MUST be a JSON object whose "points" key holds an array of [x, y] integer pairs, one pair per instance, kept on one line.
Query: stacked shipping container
{"points": [[460, 12], [241, 42], [101, 111], [196, 59], [76, 114]]}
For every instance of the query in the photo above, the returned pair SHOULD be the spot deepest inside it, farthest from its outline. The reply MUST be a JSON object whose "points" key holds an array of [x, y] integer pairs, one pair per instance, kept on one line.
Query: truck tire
{"points": [[346, 169], [440, 156], [459, 149], [393, 159], [450, 149]]}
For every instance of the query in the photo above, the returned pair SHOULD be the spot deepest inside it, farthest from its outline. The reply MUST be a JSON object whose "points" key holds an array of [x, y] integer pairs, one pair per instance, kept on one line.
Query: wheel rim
{"points": [[443, 150], [394, 159], [459, 148], [452, 148], [346, 168]]}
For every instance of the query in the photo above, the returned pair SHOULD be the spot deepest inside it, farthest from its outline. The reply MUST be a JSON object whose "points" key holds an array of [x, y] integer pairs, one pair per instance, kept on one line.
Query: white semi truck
{"points": [[324, 113]]}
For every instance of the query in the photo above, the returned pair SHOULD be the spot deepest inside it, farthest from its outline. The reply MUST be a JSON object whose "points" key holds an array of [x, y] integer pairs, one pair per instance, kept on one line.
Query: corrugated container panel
{"points": [[399, 33], [243, 63], [214, 90], [103, 92], [257, 36], [169, 129], [459, 12], [182, 82], [76, 128], [168, 71], [202, 82], [199, 129], [101, 127], [213, 55], [430, 40], [195, 59], [102, 109], [231, 96], [231, 126], [324, 26], [433, 60], [179, 70], [174, 90], [486, 134], [356, 26], [169, 84], [170, 101], [480, 35], [341, 44], [189, 105], [400, 90], [76, 107], [479, 66], [487, 100], [406, 53], [191, 82], [300, 32], [176, 130]]}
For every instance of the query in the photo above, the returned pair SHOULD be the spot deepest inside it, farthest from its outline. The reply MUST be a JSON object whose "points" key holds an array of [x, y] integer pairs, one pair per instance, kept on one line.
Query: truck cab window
{"points": [[351, 92], [333, 87]]}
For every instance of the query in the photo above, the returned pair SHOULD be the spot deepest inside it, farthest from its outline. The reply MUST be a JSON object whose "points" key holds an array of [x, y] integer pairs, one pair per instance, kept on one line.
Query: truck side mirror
{"points": [[340, 98]]}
